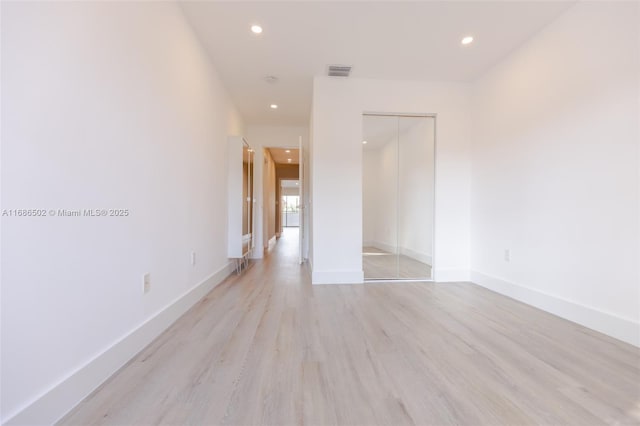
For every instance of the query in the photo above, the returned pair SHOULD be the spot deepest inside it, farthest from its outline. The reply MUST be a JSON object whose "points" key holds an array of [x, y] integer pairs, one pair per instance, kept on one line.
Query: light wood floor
{"points": [[379, 264], [268, 348]]}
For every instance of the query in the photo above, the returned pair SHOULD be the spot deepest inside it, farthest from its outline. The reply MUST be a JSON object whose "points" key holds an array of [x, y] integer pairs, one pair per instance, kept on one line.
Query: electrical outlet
{"points": [[146, 286], [507, 255], [193, 258]]}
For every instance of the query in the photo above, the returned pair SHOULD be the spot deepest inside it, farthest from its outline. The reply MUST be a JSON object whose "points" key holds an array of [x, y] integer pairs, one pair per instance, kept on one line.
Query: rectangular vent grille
{"points": [[339, 71]]}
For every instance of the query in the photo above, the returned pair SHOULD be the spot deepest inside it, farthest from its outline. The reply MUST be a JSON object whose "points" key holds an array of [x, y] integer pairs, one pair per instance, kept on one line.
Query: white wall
{"points": [[372, 173], [308, 188], [259, 137], [555, 170], [336, 160], [268, 199], [416, 185], [380, 196], [106, 105]]}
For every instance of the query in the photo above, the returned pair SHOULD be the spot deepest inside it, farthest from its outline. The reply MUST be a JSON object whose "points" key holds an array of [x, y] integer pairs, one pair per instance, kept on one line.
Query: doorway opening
{"points": [[290, 203], [283, 195]]}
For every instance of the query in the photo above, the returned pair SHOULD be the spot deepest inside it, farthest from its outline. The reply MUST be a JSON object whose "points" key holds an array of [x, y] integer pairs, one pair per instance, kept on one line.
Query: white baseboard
{"points": [[380, 246], [417, 255], [337, 277], [53, 404], [450, 275], [612, 325]]}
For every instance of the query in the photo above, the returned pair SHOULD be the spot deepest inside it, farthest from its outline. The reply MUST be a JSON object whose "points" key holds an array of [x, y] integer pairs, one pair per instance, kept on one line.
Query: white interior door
{"points": [[301, 210]]}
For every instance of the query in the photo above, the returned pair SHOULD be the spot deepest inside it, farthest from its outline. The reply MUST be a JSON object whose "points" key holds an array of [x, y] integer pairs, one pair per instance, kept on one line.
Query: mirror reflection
{"points": [[398, 196]]}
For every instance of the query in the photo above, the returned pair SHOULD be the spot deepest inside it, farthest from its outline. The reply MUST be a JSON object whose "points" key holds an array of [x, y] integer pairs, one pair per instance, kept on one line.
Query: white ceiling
{"points": [[386, 40]]}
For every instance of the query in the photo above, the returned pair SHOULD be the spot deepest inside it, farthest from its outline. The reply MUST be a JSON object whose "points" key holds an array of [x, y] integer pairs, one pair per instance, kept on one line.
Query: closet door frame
{"points": [[435, 189]]}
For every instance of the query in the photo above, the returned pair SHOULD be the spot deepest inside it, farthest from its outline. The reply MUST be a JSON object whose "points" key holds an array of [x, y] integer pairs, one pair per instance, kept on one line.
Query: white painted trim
{"points": [[413, 254], [381, 246], [416, 255], [624, 329], [398, 280], [450, 275], [337, 277], [400, 114], [53, 404]]}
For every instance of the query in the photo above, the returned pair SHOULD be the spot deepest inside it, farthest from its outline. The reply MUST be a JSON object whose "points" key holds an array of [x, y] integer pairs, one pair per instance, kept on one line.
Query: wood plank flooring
{"points": [[269, 348], [379, 264]]}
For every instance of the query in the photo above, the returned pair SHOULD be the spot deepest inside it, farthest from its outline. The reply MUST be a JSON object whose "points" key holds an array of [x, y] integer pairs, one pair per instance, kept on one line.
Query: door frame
{"points": [[435, 193]]}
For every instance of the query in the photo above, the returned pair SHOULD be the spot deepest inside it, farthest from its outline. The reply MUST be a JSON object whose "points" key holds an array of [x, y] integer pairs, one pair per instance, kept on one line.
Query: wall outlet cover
{"points": [[146, 286]]}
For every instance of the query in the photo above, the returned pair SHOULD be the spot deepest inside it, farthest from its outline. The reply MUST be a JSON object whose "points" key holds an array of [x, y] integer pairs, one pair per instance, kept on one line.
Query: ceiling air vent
{"points": [[339, 71]]}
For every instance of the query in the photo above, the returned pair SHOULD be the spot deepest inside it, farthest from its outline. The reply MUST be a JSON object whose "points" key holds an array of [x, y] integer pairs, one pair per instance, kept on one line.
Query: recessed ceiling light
{"points": [[364, 142], [297, 183], [274, 106], [289, 160], [467, 40], [287, 150], [256, 29]]}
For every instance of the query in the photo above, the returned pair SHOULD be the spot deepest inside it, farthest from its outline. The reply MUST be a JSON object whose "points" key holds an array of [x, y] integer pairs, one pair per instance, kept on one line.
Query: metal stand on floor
{"points": [[242, 263]]}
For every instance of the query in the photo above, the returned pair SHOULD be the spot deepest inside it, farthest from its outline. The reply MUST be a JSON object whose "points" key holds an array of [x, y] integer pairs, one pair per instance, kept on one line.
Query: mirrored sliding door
{"points": [[380, 200], [398, 196]]}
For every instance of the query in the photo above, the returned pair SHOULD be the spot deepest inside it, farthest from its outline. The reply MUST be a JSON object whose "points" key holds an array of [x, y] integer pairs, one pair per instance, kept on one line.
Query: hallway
{"points": [[268, 348]]}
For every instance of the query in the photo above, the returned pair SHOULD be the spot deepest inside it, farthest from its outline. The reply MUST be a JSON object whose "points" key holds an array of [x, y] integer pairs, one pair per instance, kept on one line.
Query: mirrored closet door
{"points": [[398, 196]]}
